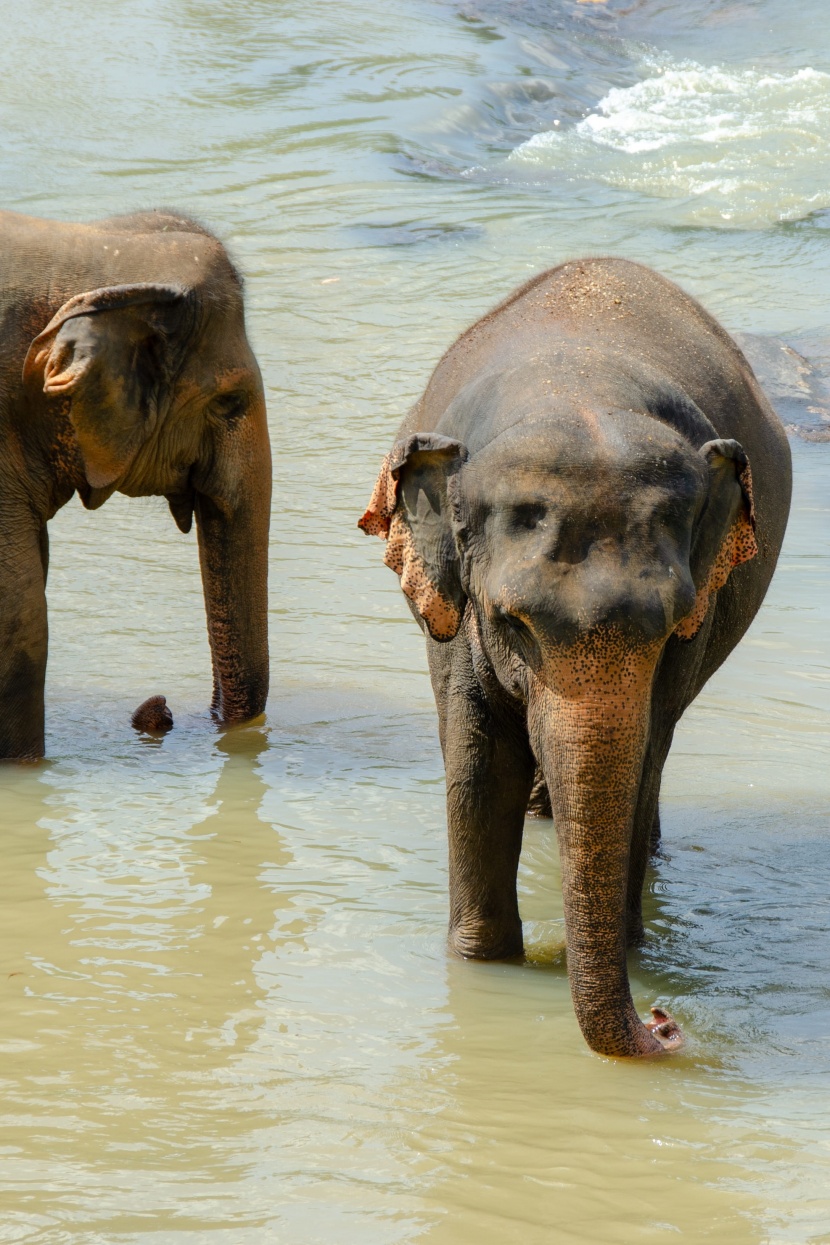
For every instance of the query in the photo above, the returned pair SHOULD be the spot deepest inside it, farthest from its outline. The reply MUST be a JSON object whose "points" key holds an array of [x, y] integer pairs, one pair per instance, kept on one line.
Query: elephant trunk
{"points": [[589, 723], [233, 553]]}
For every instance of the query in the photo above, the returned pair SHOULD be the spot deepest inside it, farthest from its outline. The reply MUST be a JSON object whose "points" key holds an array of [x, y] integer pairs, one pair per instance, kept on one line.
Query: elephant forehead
{"points": [[583, 451]]}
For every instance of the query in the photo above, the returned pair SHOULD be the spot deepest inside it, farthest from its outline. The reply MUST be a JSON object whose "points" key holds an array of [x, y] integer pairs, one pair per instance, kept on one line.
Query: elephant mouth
{"points": [[93, 498], [181, 505]]}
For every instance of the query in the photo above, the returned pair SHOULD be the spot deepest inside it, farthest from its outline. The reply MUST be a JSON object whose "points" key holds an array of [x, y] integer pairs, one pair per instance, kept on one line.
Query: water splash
{"points": [[739, 146]]}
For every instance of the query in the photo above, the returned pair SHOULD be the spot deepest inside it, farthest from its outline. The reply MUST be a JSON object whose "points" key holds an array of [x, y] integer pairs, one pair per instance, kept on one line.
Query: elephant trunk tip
{"points": [[666, 1029], [153, 716], [661, 1035]]}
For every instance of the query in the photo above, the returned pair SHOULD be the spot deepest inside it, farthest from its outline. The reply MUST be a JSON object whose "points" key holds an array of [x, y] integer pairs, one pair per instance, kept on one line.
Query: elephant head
{"points": [[152, 388], [573, 547]]}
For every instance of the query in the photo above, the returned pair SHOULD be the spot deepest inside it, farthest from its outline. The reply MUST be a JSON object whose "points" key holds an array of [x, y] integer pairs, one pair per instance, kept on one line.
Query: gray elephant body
{"points": [[125, 365], [586, 508]]}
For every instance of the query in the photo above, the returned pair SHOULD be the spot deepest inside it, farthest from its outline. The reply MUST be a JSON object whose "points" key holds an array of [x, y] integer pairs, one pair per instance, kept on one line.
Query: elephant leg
{"points": [[676, 686], [539, 803], [656, 835], [23, 640], [489, 768], [645, 838]]}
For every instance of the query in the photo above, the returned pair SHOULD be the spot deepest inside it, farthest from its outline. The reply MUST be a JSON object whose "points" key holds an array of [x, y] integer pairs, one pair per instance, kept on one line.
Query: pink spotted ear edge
{"points": [[441, 616], [378, 515], [739, 545]]}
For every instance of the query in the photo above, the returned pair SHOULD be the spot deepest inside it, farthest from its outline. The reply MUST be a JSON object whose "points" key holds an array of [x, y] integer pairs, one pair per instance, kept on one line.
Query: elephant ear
{"points": [[111, 355], [725, 536], [410, 508]]}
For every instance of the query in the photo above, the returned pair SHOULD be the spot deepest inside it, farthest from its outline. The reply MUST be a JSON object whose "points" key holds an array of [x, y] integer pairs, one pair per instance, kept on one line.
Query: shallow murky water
{"points": [[228, 1015]]}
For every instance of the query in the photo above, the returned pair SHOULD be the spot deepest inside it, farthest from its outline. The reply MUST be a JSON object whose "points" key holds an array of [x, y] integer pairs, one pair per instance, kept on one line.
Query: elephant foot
{"points": [[655, 835], [635, 932], [153, 716], [666, 1029], [486, 944]]}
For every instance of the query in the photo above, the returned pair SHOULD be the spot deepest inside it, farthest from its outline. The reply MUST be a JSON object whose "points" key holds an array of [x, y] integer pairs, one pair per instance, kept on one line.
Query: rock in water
{"points": [[153, 716]]}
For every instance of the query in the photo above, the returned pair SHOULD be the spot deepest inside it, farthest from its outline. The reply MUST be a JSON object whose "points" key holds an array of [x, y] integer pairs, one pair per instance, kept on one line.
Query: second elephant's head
{"points": [[151, 387]]}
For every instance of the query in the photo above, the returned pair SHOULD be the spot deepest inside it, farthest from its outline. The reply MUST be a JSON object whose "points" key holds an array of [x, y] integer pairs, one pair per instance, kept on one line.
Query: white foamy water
{"points": [[738, 145]]}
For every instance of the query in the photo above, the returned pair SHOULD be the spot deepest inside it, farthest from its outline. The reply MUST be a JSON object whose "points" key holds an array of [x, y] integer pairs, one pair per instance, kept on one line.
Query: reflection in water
{"points": [[726, 1141], [134, 965], [539, 1137], [228, 1013]]}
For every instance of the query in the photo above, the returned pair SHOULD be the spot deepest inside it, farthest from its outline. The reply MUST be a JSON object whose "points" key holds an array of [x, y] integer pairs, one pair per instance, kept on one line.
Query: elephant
{"points": [[585, 509], [125, 365]]}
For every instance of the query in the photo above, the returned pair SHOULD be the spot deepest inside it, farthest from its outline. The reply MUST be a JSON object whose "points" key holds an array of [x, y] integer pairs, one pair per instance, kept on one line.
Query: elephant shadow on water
{"points": [[238, 845]]}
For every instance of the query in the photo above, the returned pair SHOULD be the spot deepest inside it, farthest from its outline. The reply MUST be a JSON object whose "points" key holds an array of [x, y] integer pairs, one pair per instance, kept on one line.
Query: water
{"points": [[228, 1015], [699, 133]]}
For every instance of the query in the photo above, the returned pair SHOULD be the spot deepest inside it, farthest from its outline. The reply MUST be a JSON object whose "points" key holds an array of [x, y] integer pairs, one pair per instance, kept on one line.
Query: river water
{"points": [[228, 1013]]}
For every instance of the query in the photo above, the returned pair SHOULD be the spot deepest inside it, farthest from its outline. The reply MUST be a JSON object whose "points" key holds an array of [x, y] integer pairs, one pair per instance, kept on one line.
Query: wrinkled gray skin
{"points": [[125, 366], [566, 483]]}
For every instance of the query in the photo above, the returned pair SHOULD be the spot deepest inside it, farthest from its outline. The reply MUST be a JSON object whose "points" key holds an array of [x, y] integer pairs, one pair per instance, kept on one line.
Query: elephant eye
{"points": [[229, 407], [528, 517], [517, 626]]}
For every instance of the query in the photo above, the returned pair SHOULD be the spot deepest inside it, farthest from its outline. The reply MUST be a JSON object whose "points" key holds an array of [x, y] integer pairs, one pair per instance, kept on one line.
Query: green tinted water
{"points": [[228, 1015]]}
